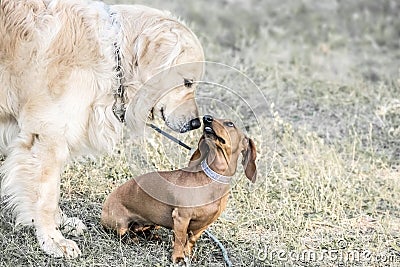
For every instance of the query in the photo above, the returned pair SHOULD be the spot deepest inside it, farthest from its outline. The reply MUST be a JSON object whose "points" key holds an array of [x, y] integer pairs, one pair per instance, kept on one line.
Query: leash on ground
{"points": [[210, 235], [221, 247]]}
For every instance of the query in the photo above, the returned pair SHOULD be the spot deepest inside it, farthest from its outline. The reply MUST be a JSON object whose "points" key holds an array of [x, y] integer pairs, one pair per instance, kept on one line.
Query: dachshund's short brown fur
{"points": [[185, 200]]}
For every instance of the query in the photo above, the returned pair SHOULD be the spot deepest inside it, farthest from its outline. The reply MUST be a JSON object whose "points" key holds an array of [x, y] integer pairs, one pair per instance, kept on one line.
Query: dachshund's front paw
{"points": [[178, 259]]}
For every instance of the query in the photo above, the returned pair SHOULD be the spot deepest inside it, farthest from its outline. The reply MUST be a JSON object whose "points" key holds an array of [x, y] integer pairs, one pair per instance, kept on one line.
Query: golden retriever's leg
{"points": [[31, 186], [180, 234]]}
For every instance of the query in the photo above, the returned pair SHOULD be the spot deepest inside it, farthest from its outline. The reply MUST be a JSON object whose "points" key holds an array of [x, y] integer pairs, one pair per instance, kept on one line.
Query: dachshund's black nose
{"points": [[207, 119]]}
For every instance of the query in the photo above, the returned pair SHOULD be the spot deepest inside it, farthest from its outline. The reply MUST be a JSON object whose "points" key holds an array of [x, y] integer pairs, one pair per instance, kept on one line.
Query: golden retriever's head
{"points": [[177, 106], [168, 63]]}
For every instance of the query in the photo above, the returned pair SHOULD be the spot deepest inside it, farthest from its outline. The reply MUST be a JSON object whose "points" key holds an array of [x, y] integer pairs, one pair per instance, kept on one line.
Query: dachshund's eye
{"points": [[229, 124], [188, 82]]}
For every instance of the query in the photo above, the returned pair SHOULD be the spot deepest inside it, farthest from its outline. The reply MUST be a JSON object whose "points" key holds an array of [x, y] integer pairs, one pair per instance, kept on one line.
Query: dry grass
{"points": [[327, 133]]}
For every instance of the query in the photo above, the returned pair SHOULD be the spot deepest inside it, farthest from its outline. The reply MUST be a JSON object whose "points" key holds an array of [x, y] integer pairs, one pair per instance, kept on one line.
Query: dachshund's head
{"points": [[226, 142]]}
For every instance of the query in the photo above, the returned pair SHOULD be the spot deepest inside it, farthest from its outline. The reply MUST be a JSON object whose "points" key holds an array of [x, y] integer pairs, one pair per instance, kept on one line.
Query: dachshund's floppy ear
{"points": [[249, 160], [197, 155]]}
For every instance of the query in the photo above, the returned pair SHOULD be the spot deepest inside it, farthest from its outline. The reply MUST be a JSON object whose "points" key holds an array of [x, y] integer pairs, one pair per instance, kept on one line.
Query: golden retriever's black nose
{"points": [[207, 119], [195, 123], [191, 125]]}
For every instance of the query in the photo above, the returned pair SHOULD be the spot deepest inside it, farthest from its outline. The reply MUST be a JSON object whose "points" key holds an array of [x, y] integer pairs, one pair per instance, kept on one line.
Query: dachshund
{"points": [[187, 200]]}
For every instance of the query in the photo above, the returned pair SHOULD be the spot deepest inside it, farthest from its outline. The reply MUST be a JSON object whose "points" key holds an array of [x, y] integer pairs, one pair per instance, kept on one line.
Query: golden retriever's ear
{"points": [[249, 160], [194, 160]]}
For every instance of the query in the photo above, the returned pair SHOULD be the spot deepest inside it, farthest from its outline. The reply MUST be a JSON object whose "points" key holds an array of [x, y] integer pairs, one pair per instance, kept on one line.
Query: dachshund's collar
{"points": [[213, 175]]}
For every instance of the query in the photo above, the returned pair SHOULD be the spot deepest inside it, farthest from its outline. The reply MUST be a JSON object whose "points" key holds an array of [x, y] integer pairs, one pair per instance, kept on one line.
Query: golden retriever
{"points": [[71, 74]]}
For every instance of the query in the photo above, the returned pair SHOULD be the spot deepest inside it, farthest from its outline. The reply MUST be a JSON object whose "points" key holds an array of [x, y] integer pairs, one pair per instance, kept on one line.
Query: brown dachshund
{"points": [[186, 200]]}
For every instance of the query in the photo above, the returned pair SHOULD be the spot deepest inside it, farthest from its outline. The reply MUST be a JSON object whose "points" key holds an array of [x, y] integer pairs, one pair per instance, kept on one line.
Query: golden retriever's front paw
{"points": [[56, 245], [73, 226]]}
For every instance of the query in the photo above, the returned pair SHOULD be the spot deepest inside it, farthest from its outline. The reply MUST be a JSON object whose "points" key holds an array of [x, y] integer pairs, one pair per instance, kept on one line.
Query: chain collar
{"points": [[119, 105], [213, 175]]}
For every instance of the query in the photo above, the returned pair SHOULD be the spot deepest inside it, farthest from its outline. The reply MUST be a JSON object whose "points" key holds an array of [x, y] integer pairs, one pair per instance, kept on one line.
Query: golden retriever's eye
{"points": [[229, 124], [188, 82]]}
